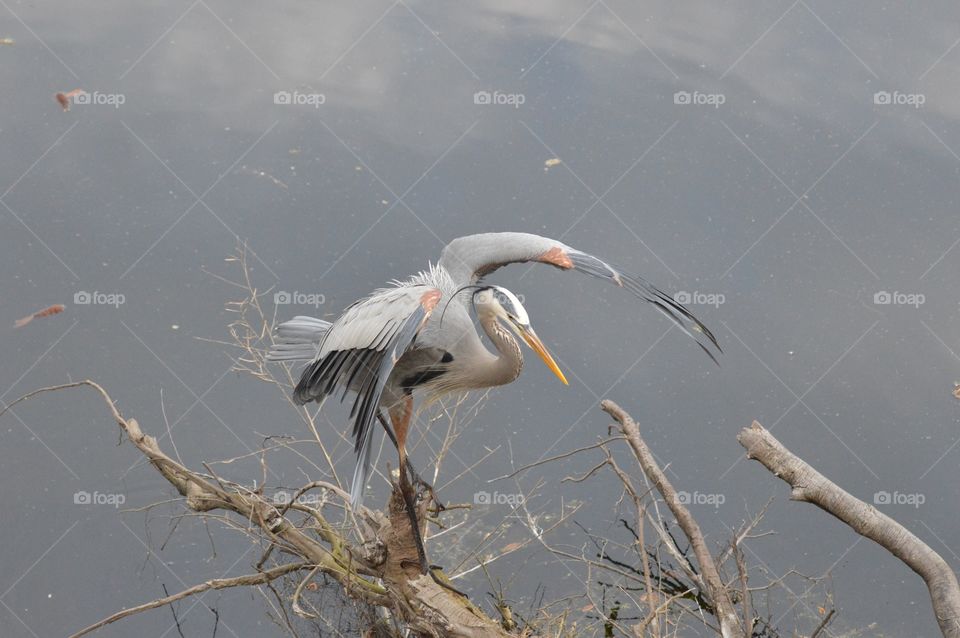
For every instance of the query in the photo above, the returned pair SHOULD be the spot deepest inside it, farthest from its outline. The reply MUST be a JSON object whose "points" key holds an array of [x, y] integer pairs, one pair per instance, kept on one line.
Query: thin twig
{"points": [[216, 583]]}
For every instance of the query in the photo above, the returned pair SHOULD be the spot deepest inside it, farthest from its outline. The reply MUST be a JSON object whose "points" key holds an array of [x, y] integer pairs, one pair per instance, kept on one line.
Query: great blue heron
{"points": [[394, 344]]}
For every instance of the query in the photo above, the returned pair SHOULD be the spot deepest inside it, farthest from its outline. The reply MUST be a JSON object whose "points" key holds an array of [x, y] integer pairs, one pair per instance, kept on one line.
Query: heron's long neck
{"points": [[505, 368]]}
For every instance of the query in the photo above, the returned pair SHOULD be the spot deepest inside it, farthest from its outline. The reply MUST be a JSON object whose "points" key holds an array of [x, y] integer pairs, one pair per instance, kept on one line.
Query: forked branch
{"points": [[716, 591]]}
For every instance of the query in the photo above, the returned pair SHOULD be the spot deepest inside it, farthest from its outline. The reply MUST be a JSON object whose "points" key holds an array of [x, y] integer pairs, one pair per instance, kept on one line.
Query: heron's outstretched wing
{"points": [[468, 259], [358, 353]]}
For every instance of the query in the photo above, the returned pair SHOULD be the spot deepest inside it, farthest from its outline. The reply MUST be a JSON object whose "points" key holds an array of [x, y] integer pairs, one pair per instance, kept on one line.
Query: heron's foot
{"points": [[432, 570], [443, 582], [426, 488], [423, 487]]}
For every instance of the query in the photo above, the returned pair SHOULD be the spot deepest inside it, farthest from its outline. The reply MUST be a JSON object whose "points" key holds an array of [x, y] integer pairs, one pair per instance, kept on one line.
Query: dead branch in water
{"points": [[715, 588], [810, 486], [383, 573]]}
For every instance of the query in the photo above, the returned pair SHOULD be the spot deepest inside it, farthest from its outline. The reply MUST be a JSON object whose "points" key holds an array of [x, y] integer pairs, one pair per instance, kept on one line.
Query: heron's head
{"points": [[504, 306]]}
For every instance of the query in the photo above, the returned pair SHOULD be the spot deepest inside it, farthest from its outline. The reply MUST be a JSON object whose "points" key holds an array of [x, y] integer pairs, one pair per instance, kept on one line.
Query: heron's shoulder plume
{"points": [[435, 275]]}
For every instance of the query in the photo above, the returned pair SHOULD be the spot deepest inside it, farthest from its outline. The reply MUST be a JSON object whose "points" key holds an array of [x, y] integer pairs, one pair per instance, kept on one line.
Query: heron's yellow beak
{"points": [[537, 346]]}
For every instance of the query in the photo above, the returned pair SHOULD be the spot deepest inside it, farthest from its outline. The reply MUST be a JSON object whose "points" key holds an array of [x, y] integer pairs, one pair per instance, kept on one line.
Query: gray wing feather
{"points": [[368, 323], [363, 424], [468, 259], [298, 339], [357, 353]]}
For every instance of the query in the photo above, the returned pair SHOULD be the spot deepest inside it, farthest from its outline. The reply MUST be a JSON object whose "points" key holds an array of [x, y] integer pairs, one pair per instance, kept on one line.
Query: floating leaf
{"points": [[55, 309]]}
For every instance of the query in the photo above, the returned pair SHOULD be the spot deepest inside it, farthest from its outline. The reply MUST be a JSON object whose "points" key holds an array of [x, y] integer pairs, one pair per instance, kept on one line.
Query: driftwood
{"points": [[811, 486], [385, 574], [377, 566], [246, 580]]}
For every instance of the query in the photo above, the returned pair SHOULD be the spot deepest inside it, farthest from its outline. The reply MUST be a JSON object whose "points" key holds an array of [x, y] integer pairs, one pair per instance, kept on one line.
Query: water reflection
{"points": [[798, 199]]}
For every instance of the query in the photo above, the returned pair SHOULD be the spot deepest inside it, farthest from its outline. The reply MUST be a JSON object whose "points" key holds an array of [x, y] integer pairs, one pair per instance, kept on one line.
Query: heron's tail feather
{"points": [[298, 339]]}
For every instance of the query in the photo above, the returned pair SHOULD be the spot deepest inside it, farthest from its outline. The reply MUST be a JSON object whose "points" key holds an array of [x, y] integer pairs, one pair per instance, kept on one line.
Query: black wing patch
{"points": [[365, 370]]}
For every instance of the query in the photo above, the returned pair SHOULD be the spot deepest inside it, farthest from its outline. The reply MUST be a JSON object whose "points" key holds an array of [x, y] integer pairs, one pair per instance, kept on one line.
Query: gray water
{"points": [[782, 164]]}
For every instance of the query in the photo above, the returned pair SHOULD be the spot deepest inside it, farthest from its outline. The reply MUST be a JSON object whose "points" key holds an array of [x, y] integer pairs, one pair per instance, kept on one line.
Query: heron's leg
{"points": [[400, 416], [414, 475], [396, 445]]}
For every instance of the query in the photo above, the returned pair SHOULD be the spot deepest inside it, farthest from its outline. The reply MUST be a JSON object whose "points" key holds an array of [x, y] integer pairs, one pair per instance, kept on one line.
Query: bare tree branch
{"points": [[422, 605], [716, 590], [216, 583], [811, 486]]}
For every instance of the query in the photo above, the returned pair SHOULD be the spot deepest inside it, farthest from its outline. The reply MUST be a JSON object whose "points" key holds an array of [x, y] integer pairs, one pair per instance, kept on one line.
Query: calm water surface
{"points": [[791, 168]]}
